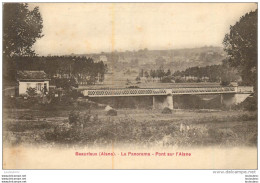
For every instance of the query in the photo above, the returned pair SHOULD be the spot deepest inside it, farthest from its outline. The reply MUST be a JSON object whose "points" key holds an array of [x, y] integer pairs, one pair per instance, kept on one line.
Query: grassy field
{"points": [[133, 126]]}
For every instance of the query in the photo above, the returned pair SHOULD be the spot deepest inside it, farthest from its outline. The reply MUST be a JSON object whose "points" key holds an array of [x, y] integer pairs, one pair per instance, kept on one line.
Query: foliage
{"points": [[82, 119], [128, 82], [153, 73], [166, 79], [166, 110], [64, 71], [112, 112], [31, 92], [206, 129], [146, 74], [21, 28], [159, 73], [250, 104], [65, 83], [168, 73], [215, 73], [160, 61], [75, 94], [141, 74], [241, 47], [74, 117]]}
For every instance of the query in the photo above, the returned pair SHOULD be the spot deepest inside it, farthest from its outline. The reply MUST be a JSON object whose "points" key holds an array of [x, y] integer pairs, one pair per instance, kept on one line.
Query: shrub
{"points": [[64, 83], [74, 94], [224, 83], [9, 102], [31, 92], [64, 133], [112, 112], [133, 87], [166, 110], [74, 117], [250, 104], [26, 116], [179, 80], [252, 139], [226, 133], [167, 79]]}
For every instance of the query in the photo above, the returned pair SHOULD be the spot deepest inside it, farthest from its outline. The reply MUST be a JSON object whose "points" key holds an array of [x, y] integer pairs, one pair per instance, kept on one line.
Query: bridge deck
{"points": [[161, 91]]}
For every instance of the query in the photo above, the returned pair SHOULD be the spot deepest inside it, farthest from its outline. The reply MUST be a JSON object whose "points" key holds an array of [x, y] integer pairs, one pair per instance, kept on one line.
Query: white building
{"points": [[103, 58], [32, 79]]}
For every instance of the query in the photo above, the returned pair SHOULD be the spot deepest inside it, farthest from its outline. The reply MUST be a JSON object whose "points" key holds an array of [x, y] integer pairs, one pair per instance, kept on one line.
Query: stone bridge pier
{"points": [[162, 101]]}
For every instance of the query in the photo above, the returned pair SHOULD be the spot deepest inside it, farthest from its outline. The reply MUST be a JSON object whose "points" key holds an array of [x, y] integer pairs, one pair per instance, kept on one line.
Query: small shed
{"points": [[32, 79]]}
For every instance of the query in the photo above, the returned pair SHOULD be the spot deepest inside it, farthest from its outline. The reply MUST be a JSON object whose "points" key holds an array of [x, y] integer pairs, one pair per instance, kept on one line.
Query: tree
{"points": [[160, 73], [166, 79], [141, 74], [128, 82], [21, 28], [241, 47], [153, 73], [168, 72], [146, 74], [160, 61]]}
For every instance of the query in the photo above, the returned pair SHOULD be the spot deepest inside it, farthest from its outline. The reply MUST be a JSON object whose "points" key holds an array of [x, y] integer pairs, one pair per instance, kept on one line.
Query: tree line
{"points": [[82, 70], [158, 73], [221, 73]]}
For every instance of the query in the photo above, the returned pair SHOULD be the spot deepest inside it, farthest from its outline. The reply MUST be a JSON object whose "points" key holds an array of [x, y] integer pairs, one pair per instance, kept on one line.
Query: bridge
{"points": [[162, 97]]}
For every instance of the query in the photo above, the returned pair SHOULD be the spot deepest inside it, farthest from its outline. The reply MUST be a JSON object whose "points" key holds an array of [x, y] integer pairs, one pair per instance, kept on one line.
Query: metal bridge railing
{"points": [[203, 90], [124, 92], [150, 91]]}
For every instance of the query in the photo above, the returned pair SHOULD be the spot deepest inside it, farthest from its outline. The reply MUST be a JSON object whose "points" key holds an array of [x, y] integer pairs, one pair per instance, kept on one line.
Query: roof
{"points": [[32, 75]]}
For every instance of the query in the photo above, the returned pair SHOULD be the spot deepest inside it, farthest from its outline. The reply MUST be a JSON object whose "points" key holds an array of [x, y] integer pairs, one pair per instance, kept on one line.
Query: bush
{"points": [[31, 92], [112, 112], [9, 102], [179, 80], [26, 116], [74, 117], [225, 83], [64, 83], [250, 104], [64, 133], [166, 110], [166, 79], [74, 94], [133, 87]]}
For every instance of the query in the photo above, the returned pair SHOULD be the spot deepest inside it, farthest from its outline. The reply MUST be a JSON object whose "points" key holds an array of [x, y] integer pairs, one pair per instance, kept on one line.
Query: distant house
{"points": [[32, 79]]}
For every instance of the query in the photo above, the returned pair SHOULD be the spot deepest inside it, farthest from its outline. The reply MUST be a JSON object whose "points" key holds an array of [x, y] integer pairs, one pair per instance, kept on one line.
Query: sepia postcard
{"points": [[129, 86]]}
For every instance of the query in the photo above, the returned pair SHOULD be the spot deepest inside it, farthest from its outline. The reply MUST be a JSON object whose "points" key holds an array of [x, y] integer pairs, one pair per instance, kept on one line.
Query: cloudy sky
{"points": [[95, 27]]}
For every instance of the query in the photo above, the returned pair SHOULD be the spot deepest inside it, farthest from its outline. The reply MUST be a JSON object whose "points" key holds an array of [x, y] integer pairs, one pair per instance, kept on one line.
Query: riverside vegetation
{"points": [[91, 125]]}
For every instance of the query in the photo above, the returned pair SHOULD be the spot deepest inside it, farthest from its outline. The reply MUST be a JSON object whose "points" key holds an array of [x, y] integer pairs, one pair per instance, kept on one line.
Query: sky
{"points": [[82, 28]]}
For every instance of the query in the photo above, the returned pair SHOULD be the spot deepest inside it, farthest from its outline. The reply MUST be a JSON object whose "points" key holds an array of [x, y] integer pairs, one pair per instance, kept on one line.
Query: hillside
{"points": [[176, 59]]}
